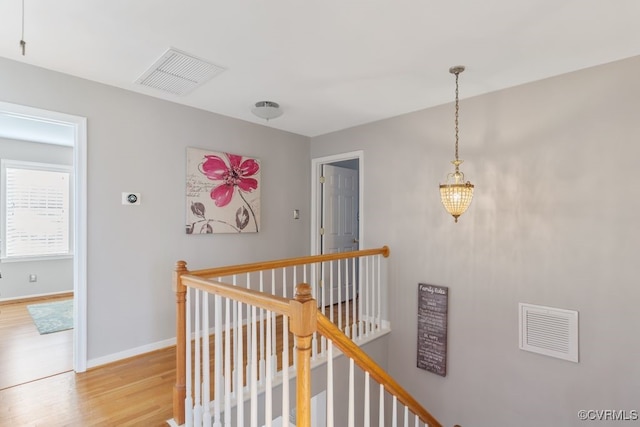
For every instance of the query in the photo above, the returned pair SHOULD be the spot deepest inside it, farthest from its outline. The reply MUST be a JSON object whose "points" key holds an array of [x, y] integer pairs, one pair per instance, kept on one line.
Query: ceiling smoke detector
{"points": [[267, 110]]}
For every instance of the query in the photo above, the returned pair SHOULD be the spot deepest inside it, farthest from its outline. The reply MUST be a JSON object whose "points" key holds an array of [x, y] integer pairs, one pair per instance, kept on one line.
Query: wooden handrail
{"points": [[351, 350], [288, 262], [270, 302]]}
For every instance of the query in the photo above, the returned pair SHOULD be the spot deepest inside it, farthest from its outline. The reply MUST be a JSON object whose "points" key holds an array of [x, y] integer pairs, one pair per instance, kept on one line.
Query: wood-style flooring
{"points": [[25, 355], [132, 392]]}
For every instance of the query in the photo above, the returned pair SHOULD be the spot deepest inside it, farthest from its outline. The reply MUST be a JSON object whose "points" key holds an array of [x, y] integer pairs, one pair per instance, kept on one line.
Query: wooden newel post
{"points": [[179, 389], [303, 325]]}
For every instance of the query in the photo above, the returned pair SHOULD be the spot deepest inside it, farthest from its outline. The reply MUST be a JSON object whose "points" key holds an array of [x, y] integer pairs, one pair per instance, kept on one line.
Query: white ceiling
{"points": [[331, 64]]}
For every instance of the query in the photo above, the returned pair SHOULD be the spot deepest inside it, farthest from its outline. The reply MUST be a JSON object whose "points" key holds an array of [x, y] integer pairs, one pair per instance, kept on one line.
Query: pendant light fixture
{"points": [[456, 194]]}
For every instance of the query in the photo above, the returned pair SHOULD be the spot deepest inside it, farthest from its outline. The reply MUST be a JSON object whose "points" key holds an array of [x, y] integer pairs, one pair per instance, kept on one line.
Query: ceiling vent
{"points": [[178, 73], [549, 331]]}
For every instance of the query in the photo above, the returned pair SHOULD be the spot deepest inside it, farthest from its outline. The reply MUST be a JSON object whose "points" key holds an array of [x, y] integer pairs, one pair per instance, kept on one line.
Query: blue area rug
{"points": [[52, 316]]}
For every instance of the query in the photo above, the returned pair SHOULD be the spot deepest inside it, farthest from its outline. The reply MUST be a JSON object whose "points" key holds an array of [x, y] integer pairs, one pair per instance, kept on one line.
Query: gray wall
{"points": [[54, 276], [553, 222], [137, 143]]}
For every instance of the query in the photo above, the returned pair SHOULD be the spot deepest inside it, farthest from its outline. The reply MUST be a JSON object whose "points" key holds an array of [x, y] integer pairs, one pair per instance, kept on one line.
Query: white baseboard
{"points": [[110, 358], [37, 296]]}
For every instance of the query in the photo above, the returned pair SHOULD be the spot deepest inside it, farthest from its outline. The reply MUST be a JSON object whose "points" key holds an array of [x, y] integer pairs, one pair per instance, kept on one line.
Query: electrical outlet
{"points": [[33, 278]]}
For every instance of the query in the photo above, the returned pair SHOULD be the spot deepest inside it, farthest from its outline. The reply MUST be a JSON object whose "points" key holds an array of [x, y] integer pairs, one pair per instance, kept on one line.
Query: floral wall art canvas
{"points": [[223, 192]]}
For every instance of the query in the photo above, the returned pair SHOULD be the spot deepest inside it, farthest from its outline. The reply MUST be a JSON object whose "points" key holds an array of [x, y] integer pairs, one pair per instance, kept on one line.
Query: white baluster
{"points": [[227, 362], [363, 293], [188, 400], [295, 280], [285, 356], [268, 391], [367, 292], [417, 421], [314, 338], [351, 415], [250, 343], [197, 410], [323, 284], [236, 337], [406, 416], [254, 369], [367, 400], [381, 407], [323, 340], [274, 358], [217, 359], [371, 294], [394, 412], [329, 383], [239, 367], [261, 312], [293, 294], [206, 363], [339, 295], [379, 286], [331, 291], [347, 328]]}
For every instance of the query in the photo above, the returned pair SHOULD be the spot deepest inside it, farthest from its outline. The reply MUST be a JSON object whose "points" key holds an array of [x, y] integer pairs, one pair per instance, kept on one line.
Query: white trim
{"points": [[35, 258], [80, 245], [132, 352], [316, 173], [33, 296], [80, 218]]}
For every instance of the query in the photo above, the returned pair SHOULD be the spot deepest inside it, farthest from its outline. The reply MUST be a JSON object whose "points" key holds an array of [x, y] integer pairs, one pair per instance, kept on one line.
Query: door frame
{"points": [[80, 219], [316, 196]]}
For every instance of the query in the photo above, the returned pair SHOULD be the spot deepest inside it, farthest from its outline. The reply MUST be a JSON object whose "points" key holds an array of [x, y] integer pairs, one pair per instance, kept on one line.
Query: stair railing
{"points": [[350, 289], [232, 359], [372, 371]]}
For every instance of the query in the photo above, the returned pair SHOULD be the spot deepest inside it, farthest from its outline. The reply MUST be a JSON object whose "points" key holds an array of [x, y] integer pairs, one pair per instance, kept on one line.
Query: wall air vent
{"points": [[549, 331], [178, 73]]}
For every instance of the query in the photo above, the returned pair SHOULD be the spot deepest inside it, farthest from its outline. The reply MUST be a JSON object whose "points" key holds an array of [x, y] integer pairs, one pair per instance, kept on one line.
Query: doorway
{"points": [[337, 215], [22, 123]]}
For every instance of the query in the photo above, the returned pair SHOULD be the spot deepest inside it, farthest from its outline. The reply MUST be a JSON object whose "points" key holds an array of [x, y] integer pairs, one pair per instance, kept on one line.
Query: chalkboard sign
{"points": [[432, 328]]}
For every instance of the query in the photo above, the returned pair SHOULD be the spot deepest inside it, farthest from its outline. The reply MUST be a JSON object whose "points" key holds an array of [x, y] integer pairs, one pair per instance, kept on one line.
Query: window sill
{"points": [[36, 258]]}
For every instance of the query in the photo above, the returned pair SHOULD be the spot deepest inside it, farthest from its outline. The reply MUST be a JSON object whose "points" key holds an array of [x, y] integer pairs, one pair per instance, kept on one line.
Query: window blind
{"points": [[37, 212]]}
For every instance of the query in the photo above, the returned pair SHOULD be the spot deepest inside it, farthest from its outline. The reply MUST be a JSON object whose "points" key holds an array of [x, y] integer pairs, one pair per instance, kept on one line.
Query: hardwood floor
{"points": [[25, 355], [132, 392]]}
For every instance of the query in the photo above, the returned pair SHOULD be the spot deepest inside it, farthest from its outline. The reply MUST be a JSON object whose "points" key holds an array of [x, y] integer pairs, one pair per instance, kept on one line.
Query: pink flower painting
{"points": [[223, 193]]}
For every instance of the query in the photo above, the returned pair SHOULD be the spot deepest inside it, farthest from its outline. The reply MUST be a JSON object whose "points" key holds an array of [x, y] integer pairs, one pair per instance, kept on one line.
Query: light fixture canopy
{"points": [[456, 194], [267, 110]]}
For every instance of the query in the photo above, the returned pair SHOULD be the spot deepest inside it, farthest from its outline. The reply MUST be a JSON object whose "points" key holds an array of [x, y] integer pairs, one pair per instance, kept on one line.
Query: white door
{"points": [[339, 220]]}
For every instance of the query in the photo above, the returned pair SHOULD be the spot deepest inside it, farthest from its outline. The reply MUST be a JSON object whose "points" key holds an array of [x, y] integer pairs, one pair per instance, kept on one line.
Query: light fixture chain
{"points": [[457, 113]]}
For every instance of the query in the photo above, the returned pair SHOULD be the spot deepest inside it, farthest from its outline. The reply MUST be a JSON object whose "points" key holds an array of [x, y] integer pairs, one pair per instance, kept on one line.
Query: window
{"points": [[36, 210]]}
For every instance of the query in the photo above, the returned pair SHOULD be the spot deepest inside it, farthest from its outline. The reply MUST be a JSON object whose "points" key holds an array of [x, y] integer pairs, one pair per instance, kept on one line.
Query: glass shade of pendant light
{"points": [[456, 194]]}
